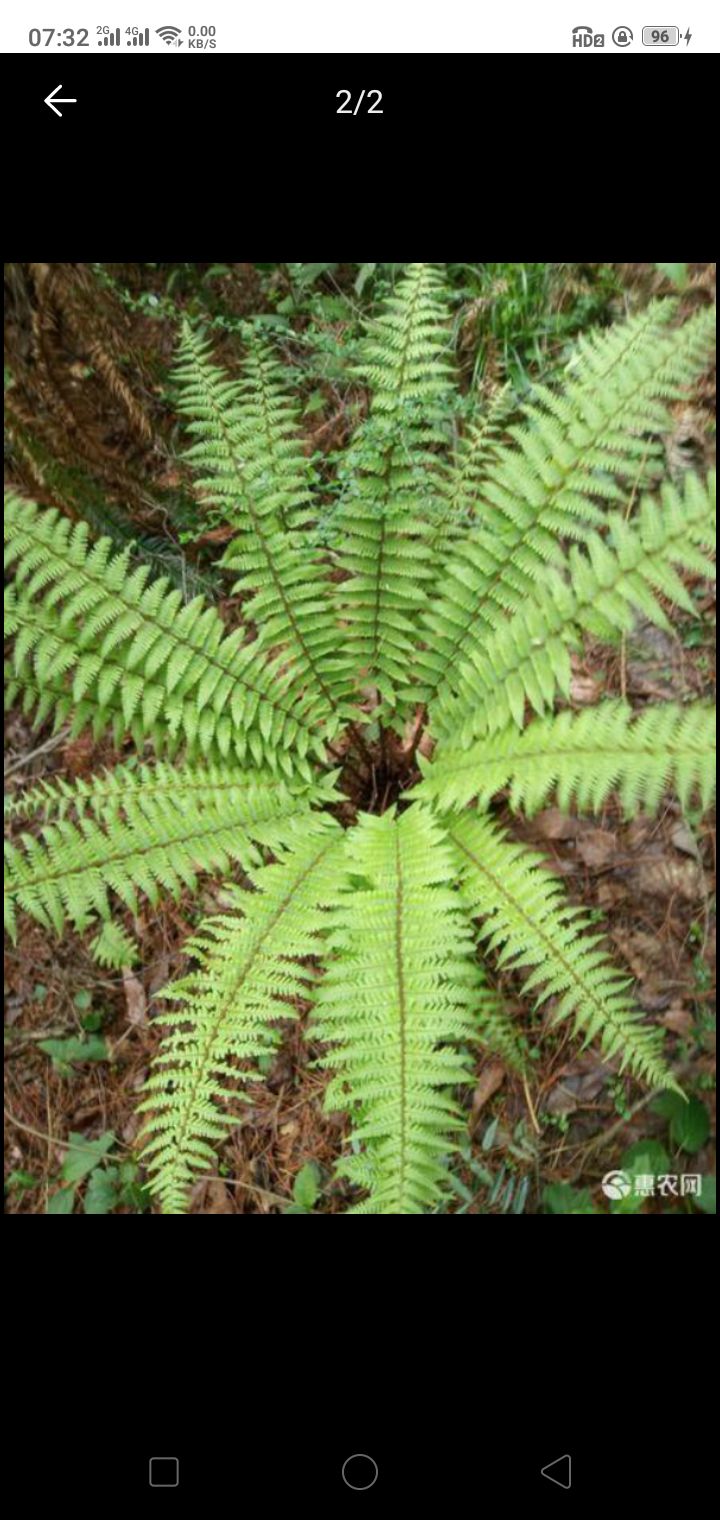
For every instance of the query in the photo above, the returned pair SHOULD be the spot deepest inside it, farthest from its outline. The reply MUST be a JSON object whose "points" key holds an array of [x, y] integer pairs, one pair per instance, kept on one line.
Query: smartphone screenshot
{"points": [[358, 752]]}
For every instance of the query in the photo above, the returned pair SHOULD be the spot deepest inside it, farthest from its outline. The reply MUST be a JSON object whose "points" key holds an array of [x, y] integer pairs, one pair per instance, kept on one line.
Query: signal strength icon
{"points": [[169, 35]]}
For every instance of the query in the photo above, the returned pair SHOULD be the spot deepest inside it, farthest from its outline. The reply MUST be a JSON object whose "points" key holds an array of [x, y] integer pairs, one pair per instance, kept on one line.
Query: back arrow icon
{"points": [[558, 1471], [61, 100]]}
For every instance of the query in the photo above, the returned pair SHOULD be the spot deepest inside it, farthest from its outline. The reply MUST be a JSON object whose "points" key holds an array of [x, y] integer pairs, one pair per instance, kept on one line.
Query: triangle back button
{"points": [[558, 1471]]}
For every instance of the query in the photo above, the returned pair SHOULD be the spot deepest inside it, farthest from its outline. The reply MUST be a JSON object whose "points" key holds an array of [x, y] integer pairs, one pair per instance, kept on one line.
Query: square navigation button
{"points": [[164, 1472]]}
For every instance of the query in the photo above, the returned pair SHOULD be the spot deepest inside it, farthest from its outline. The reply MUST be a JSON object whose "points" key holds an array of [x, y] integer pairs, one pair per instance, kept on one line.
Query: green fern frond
{"points": [[609, 582], [582, 759], [527, 919], [247, 979], [105, 795], [459, 487], [52, 700], [101, 710], [398, 989], [383, 517], [596, 354], [254, 415], [404, 359], [46, 651], [113, 946], [252, 467], [136, 833], [497, 1031], [590, 444], [134, 645]]}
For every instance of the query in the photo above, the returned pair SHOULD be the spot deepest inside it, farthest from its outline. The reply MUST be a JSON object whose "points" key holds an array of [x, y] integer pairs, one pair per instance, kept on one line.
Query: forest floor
{"points": [[649, 882]]}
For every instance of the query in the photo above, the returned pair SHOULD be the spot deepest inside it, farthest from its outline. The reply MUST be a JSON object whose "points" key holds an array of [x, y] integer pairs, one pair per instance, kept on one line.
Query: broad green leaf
{"points": [[690, 1126], [21, 1181], [75, 1049], [83, 1155], [62, 1202], [101, 1194], [706, 1198], [677, 273], [561, 1198], [647, 1158], [306, 1188]]}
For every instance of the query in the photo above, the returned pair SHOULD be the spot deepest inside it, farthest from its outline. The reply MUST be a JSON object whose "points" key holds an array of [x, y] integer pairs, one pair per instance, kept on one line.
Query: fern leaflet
{"points": [[383, 514], [526, 918], [546, 484], [140, 834], [527, 658], [398, 987], [135, 646], [247, 979], [252, 468], [583, 758]]}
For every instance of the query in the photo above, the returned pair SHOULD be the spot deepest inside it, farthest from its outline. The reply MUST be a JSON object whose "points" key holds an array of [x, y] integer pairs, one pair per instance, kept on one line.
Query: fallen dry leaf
{"points": [[639, 949], [596, 847], [646, 956], [491, 1078], [160, 973], [551, 823], [580, 1084], [210, 1196], [13, 1009], [426, 745], [685, 447], [638, 832], [216, 536], [677, 1019], [134, 998], [78, 755], [684, 840], [584, 691], [218, 1199], [665, 877], [610, 893]]}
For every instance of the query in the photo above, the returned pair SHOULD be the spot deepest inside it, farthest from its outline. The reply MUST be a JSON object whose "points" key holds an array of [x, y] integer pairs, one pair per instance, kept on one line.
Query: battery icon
{"points": [[660, 36]]}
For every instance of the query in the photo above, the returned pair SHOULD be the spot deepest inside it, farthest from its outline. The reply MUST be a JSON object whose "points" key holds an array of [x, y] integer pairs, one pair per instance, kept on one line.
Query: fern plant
{"points": [[454, 583]]}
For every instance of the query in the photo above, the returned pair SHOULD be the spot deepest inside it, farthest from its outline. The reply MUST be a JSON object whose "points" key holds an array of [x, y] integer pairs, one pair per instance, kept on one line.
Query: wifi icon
{"points": [[168, 33]]}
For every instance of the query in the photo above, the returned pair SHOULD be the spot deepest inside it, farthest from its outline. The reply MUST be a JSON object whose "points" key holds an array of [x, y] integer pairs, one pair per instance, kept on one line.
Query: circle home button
{"points": [[359, 1471]]}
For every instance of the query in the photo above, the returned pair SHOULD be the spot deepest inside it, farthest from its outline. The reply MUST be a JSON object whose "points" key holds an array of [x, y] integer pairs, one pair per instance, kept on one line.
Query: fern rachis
{"points": [[457, 607]]}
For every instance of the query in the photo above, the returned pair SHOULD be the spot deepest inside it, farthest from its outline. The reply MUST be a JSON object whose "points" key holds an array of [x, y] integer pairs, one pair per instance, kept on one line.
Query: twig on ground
{"points": [[42, 749], [598, 1141]]}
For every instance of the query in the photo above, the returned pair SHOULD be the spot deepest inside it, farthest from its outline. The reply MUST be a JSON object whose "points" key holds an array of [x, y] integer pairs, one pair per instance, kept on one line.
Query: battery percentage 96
{"points": [[664, 36]]}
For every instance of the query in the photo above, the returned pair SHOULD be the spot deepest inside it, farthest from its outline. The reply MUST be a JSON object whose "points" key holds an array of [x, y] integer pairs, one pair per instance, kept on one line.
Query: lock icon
{"points": [[622, 36]]}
